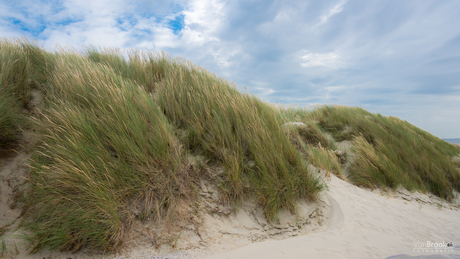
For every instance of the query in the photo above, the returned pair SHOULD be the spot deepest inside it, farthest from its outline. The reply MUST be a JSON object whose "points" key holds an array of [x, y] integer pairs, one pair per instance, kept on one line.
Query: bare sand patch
{"points": [[375, 225]]}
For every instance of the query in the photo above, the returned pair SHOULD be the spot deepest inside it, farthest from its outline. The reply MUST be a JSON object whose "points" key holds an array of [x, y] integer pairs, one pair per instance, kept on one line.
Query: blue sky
{"points": [[399, 58]]}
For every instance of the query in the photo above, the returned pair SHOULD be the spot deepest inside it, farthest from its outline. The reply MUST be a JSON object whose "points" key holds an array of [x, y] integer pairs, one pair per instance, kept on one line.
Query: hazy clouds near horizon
{"points": [[399, 58]]}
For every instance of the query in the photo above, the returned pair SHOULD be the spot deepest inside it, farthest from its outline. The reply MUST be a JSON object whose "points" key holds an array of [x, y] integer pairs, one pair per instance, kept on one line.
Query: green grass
{"points": [[106, 143], [388, 151], [118, 137], [145, 69], [10, 119], [13, 92], [233, 128], [22, 69], [325, 159], [313, 144], [226, 126], [8, 249]]}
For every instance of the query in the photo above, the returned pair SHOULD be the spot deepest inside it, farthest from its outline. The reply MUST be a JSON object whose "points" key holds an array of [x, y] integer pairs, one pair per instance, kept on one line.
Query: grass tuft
{"points": [[325, 159], [106, 144], [10, 119]]}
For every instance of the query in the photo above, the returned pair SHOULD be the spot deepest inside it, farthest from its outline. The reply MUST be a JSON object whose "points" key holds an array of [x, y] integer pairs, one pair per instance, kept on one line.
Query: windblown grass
{"points": [[233, 128], [10, 119], [389, 151], [8, 248], [22, 68], [310, 141], [115, 134], [325, 159], [105, 144], [13, 76], [146, 69], [226, 126]]}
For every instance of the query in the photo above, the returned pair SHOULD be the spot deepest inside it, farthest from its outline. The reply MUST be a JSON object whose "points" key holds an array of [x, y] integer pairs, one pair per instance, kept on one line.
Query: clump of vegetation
{"points": [[226, 126], [106, 143], [8, 247], [310, 133], [311, 141], [325, 159], [233, 128], [145, 69], [10, 119], [14, 72], [390, 152], [21, 70]]}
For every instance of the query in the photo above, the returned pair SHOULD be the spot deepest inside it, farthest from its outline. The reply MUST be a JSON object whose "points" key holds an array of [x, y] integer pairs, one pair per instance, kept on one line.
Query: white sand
{"points": [[356, 223], [366, 225], [11, 168]]}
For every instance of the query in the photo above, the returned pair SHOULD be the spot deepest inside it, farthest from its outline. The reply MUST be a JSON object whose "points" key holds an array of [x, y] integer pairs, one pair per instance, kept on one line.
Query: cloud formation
{"points": [[398, 58], [330, 59], [331, 12]]}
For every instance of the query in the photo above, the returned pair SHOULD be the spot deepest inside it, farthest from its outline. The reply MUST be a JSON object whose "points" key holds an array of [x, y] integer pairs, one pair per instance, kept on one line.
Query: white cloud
{"points": [[331, 12], [108, 23], [285, 16], [6, 31], [289, 44], [265, 91], [222, 56], [202, 21], [331, 60], [83, 23], [262, 87]]}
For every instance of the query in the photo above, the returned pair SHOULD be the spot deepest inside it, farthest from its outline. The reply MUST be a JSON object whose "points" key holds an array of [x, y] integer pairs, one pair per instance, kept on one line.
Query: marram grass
{"points": [[115, 135], [233, 128], [226, 126], [118, 130], [388, 151], [105, 143]]}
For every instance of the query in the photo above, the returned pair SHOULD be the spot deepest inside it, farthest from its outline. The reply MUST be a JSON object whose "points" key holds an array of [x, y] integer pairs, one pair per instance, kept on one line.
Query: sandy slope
{"points": [[11, 167], [372, 226]]}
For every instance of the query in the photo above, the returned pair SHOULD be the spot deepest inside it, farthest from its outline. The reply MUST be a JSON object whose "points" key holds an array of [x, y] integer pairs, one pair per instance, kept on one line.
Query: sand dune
{"points": [[365, 224], [347, 222]]}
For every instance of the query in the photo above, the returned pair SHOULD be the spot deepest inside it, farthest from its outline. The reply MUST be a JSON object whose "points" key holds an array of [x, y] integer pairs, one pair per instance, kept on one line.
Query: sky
{"points": [[394, 57]]}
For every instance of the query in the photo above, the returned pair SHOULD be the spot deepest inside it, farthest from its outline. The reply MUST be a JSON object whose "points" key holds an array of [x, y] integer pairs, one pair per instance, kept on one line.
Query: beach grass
{"points": [[14, 92], [314, 145], [115, 136], [389, 152]]}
